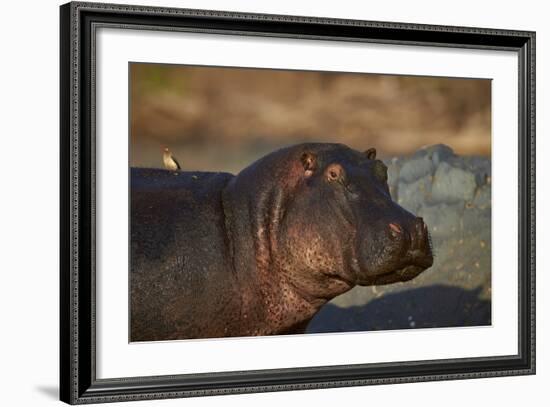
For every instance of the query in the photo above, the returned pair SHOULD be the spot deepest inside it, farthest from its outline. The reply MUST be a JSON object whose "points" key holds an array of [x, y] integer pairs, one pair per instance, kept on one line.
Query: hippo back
{"points": [[178, 251]]}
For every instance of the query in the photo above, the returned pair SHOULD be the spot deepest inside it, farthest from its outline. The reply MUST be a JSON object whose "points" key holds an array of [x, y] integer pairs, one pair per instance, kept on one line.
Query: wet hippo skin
{"points": [[259, 253]]}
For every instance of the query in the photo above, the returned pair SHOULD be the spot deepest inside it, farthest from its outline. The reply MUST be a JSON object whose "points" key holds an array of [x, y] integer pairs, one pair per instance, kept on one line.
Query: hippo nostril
{"points": [[395, 230]]}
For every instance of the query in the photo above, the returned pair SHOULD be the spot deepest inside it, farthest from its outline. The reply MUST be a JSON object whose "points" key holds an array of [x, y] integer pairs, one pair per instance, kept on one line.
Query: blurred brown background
{"points": [[222, 119]]}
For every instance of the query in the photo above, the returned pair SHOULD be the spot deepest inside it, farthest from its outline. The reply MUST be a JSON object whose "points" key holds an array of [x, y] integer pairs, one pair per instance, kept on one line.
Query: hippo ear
{"points": [[309, 161], [371, 153]]}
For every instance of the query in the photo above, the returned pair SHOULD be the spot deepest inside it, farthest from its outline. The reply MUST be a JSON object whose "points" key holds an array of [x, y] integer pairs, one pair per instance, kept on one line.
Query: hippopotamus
{"points": [[259, 253]]}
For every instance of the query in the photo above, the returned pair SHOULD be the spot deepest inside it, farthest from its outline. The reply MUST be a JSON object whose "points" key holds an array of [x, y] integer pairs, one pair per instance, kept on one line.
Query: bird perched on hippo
{"points": [[169, 161], [259, 253]]}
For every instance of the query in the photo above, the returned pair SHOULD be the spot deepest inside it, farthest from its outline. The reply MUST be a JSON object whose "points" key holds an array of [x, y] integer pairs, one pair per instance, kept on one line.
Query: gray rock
{"points": [[482, 198], [443, 219], [412, 196], [480, 166], [453, 184], [416, 168], [439, 153], [477, 222]]}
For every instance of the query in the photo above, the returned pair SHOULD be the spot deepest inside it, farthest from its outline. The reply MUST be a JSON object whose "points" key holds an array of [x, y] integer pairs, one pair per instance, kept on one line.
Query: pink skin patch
{"points": [[395, 228]]}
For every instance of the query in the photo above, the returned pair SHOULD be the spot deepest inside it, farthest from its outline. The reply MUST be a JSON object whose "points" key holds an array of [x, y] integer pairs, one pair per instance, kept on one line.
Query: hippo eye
{"points": [[334, 172]]}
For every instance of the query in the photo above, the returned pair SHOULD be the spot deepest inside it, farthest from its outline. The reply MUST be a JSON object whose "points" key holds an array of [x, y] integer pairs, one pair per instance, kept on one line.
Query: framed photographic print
{"points": [[256, 203]]}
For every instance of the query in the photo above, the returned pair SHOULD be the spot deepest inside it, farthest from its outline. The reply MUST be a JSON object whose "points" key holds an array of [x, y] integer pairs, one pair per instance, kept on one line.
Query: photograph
{"points": [[277, 201]]}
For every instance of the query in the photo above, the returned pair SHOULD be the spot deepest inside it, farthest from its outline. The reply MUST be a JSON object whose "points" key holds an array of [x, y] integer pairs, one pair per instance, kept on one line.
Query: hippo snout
{"points": [[398, 252], [416, 241]]}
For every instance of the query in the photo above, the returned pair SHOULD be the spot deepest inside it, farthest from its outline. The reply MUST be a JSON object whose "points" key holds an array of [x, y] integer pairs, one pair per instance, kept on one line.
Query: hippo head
{"points": [[324, 219]]}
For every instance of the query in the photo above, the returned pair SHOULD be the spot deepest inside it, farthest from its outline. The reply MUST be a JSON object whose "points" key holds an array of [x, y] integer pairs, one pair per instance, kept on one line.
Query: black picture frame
{"points": [[78, 382]]}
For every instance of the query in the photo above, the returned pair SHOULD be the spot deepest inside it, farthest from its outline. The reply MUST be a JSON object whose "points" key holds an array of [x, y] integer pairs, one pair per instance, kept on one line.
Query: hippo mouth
{"points": [[398, 274], [404, 274]]}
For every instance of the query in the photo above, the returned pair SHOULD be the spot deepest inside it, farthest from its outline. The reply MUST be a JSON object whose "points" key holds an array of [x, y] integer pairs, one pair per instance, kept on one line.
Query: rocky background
{"points": [[453, 195]]}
